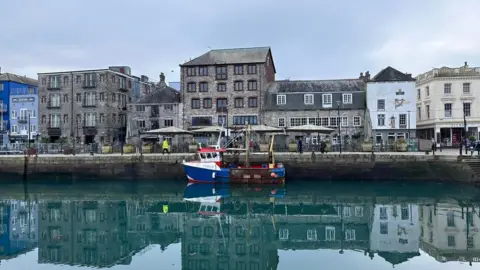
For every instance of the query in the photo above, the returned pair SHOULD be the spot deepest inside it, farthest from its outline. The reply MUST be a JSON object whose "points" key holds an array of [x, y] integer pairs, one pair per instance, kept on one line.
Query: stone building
{"points": [[337, 104], [161, 108], [226, 86], [89, 105]]}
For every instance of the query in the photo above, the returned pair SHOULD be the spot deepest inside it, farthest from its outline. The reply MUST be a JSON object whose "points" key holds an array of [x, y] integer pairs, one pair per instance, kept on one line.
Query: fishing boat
{"points": [[209, 166]]}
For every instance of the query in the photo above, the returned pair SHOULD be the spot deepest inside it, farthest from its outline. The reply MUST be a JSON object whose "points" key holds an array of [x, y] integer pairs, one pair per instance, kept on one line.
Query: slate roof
{"points": [[396, 257], [9, 77], [231, 56], [390, 74], [317, 86], [161, 95]]}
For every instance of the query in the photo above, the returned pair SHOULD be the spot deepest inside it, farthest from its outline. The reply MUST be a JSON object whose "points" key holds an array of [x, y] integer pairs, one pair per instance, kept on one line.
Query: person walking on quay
{"points": [[165, 146], [434, 145], [300, 146]]}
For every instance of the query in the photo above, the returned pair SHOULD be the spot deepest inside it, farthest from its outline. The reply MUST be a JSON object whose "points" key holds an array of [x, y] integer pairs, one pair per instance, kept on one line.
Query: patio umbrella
{"points": [[211, 129], [311, 129], [168, 131], [264, 128]]}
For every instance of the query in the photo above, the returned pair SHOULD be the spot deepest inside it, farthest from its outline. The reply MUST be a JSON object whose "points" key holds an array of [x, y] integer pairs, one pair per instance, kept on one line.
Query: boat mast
{"points": [[247, 145]]}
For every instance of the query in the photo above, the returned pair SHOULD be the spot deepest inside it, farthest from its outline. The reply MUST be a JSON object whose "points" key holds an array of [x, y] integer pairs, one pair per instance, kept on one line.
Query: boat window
{"points": [[202, 155], [214, 155], [209, 155]]}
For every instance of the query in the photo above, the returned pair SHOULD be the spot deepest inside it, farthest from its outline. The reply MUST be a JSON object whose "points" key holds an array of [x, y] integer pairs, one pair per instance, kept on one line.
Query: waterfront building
{"points": [[88, 105], [141, 87], [226, 86], [391, 105], [337, 104], [159, 109], [395, 232], [450, 232], [20, 94], [446, 101]]}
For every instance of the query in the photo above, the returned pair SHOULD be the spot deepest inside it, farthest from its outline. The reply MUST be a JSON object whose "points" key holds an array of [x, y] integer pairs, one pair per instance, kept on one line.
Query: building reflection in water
{"points": [[241, 228]]}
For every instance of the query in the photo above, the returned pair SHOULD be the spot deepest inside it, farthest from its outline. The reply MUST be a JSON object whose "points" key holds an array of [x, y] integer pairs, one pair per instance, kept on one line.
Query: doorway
{"points": [[89, 139]]}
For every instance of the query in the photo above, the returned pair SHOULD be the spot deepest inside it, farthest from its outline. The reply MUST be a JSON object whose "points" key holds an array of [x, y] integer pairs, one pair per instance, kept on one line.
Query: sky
{"points": [[309, 39]]}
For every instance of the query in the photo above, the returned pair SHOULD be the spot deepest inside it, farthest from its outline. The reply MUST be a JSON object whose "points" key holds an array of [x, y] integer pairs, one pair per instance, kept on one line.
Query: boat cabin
{"points": [[210, 154]]}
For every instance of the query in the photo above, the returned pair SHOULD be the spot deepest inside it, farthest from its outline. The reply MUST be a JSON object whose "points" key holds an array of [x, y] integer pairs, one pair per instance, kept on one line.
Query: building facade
{"points": [[159, 109], [87, 105], [337, 104], [391, 104], [226, 87], [445, 101], [20, 94], [141, 88]]}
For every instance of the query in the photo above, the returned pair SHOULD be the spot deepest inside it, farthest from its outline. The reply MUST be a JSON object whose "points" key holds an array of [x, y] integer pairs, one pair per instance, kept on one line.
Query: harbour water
{"points": [[70, 223]]}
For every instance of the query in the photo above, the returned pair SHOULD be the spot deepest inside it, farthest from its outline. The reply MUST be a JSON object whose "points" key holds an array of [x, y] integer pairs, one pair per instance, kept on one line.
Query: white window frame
{"points": [[55, 100], [281, 99], [14, 114], [23, 113], [378, 103], [344, 121], [308, 99], [358, 211], [350, 235], [284, 122], [14, 129], [359, 121], [55, 81], [329, 233], [90, 215], [90, 99], [312, 235], [33, 114], [90, 120], [327, 101], [283, 234], [55, 120], [347, 211], [347, 98], [32, 128], [384, 120]]}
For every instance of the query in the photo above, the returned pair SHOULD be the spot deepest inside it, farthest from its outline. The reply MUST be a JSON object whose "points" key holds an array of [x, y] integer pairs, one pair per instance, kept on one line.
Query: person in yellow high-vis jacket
{"points": [[165, 147]]}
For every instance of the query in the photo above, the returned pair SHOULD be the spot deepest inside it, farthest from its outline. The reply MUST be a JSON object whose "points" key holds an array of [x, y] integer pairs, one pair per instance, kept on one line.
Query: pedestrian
{"points": [[165, 146], [477, 147], [434, 145], [300, 149]]}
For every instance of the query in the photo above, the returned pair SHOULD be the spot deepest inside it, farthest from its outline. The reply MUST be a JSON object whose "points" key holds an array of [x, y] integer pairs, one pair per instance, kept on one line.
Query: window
{"points": [[350, 235], [347, 98], [195, 103], [32, 128], [451, 240], [203, 71], [141, 124], [65, 98], [238, 102], [419, 113], [238, 70], [238, 86], [243, 119], [140, 108], [252, 85], [447, 88], [283, 234], [203, 87], [402, 120], [418, 94], [1, 86], [14, 114], [383, 227], [281, 122], [470, 242], [89, 80], [23, 114], [330, 233], [308, 99], [221, 73], [252, 69], [191, 71], [358, 211], [383, 213], [222, 103], [222, 119], [450, 219], [381, 120], [381, 104], [427, 91], [54, 82], [281, 99], [14, 128], [466, 88], [55, 120], [207, 103], [90, 99], [55, 101], [252, 102], [344, 121], [448, 110], [405, 214], [191, 87], [427, 111], [79, 98], [334, 121], [467, 109], [90, 119], [357, 121], [122, 83], [201, 121], [222, 87], [298, 121], [327, 100], [312, 235]]}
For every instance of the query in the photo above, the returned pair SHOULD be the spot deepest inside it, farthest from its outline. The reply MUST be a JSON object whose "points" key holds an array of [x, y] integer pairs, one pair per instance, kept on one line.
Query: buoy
{"points": [[274, 191], [273, 175]]}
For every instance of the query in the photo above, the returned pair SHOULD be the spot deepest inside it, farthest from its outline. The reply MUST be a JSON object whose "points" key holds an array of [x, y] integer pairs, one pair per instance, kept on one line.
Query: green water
{"points": [[70, 223]]}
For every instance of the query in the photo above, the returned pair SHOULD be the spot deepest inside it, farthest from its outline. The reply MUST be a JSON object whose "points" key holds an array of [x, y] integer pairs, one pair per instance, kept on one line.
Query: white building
{"points": [[395, 229], [443, 95], [391, 102], [450, 233]]}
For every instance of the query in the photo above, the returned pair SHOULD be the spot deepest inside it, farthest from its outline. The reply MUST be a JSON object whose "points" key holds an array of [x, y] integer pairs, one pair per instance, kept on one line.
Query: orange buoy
{"points": [[273, 175]]}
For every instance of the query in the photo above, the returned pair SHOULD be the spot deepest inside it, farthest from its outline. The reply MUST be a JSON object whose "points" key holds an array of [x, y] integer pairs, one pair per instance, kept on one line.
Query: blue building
{"points": [[18, 228], [18, 108]]}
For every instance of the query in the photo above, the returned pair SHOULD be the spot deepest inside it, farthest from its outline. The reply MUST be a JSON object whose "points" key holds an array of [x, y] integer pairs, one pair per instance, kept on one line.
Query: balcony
{"points": [[22, 120], [89, 103], [53, 105], [54, 131], [53, 86], [89, 130], [122, 87], [3, 107], [404, 126]]}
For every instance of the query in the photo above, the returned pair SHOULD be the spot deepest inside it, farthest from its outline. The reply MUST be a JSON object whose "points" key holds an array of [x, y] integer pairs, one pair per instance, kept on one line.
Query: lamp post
{"points": [[465, 130], [38, 143], [29, 129], [339, 124]]}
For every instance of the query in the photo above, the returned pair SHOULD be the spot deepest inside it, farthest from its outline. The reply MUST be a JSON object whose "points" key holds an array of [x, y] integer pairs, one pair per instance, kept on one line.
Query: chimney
{"points": [[466, 65], [361, 75], [367, 76], [162, 83], [143, 78]]}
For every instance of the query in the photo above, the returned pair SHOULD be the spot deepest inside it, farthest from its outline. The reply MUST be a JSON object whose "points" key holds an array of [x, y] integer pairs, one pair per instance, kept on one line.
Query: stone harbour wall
{"points": [[306, 166]]}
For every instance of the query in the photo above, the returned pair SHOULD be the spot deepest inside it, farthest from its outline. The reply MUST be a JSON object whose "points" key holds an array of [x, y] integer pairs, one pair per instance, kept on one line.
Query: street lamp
{"points": [[464, 132], [339, 124]]}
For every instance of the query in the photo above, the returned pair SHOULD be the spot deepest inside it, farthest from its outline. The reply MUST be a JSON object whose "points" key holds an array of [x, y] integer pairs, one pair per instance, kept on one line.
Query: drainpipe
{"points": [[71, 112]]}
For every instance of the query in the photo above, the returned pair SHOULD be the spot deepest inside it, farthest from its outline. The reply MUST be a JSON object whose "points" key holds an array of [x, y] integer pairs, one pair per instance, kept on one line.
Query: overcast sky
{"points": [[310, 39]]}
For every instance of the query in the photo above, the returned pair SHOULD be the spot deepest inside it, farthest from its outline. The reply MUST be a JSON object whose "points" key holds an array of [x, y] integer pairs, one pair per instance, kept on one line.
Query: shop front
{"points": [[450, 135]]}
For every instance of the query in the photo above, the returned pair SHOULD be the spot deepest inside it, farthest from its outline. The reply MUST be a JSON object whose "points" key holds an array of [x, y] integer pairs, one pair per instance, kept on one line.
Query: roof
{"points": [[231, 56], [161, 95], [345, 85], [396, 257], [390, 74], [9, 77]]}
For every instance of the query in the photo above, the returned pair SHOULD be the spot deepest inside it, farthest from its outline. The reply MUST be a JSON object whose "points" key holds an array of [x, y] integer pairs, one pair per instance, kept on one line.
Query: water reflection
{"points": [[221, 227]]}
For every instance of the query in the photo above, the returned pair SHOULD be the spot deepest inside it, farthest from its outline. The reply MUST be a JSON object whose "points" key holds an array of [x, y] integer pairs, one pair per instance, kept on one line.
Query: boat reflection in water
{"points": [[238, 227]]}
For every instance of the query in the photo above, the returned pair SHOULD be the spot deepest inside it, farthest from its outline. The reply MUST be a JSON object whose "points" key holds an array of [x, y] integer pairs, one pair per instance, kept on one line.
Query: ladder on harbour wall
{"points": [[474, 165]]}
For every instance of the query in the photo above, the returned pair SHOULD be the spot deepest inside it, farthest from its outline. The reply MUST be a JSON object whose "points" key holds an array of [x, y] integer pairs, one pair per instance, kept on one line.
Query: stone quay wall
{"points": [[306, 166]]}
